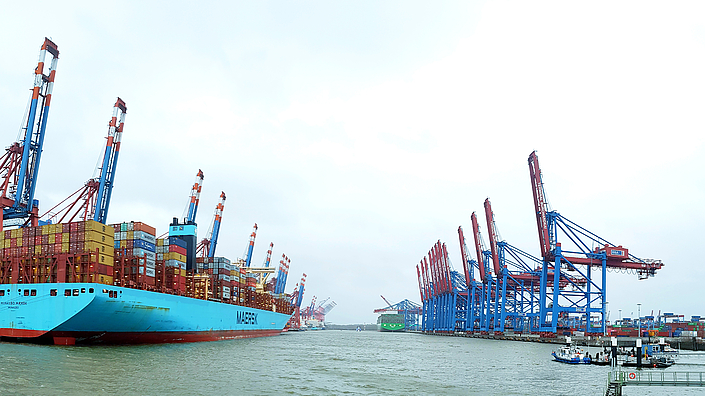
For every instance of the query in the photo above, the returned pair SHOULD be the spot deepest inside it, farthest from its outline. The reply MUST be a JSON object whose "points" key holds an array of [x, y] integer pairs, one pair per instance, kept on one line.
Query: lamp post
{"points": [[605, 316], [639, 316], [620, 315]]}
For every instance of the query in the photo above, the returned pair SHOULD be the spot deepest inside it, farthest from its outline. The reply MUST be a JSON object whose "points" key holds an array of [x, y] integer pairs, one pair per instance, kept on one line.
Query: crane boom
{"points": [[492, 235], [467, 263], [251, 246], [110, 158], [20, 163], [215, 228], [540, 205], [92, 200], [478, 246], [194, 197]]}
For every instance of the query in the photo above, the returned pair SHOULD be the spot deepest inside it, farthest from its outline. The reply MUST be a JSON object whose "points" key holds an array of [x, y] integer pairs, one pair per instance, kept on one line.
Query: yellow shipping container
{"points": [[38, 249], [19, 242], [160, 242], [183, 272], [105, 279], [175, 256], [64, 247], [92, 225], [65, 237], [13, 233], [123, 244], [45, 229], [107, 250], [105, 259], [93, 236], [130, 235], [7, 243], [52, 239]]}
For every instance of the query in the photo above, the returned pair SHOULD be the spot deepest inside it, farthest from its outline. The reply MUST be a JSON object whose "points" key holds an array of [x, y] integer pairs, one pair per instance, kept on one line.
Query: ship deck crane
{"points": [[19, 166], [91, 202]]}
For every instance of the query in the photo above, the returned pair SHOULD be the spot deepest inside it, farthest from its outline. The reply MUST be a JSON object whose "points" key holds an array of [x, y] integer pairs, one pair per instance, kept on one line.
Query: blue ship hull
{"points": [[89, 313]]}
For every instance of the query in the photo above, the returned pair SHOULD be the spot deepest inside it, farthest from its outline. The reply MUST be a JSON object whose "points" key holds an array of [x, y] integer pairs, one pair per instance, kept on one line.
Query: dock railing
{"points": [[662, 378]]}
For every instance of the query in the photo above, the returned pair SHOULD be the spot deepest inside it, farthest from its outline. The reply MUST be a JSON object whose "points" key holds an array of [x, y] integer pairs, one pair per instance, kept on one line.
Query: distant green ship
{"points": [[390, 322]]}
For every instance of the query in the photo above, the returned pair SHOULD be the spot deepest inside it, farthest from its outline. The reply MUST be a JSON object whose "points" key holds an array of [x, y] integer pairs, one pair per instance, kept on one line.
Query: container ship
{"points": [[68, 277], [87, 283], [391, 322]]}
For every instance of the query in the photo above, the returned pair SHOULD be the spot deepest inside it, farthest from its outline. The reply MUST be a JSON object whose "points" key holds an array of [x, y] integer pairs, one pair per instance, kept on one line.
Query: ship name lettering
{"points": [[14, 303], [248, 318]]}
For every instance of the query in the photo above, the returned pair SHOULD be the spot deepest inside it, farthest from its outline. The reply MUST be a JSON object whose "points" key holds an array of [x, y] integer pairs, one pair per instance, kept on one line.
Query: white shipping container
{"points": [[123, 235], [226, 295], [145, 237], [226, 289], [150, 272], [172, 263], [224, 277], [160, 256], [130, 226]]}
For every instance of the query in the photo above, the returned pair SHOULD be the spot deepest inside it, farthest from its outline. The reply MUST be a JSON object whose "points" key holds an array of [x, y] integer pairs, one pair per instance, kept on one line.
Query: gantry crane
{"points": [[19, 165], [250, 246], [194, 197], [206, 248], [91, 202], [586, 251], [282, 274]]}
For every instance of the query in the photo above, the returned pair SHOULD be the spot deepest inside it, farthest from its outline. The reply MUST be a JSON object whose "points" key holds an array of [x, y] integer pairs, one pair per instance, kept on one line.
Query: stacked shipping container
{"points": [[128, 255], [171, 256], [135, 260], [70, 252]]}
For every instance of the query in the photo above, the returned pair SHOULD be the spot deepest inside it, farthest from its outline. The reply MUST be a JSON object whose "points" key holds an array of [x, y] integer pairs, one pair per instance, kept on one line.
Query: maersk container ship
{"points": [[89, 313]]}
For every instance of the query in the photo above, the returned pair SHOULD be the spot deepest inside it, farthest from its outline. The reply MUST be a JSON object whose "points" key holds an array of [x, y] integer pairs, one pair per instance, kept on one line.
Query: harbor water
{"points": [[311, 363]]}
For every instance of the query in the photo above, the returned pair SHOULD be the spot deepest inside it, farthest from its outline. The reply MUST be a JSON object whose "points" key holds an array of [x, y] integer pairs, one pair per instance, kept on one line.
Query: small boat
{"points": [[571, 354], [649, 362], [601, 360]]}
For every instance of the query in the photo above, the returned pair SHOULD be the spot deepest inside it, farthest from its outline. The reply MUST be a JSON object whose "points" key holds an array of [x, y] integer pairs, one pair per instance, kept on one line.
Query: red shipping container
{"points": [[130, 244], [8, 234], [139, 226], [66, 228], [45, 239]]}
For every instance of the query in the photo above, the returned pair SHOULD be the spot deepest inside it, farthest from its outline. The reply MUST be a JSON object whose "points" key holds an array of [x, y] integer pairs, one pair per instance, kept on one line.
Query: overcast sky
{"points": [[357, 134]]}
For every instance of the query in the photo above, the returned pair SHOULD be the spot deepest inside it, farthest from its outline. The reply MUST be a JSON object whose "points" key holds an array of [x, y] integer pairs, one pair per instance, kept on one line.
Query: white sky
{"points": [[356, 134]]}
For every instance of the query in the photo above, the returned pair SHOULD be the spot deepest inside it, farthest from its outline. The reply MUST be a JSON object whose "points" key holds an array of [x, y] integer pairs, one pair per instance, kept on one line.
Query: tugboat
{"points": [[571, 354]]}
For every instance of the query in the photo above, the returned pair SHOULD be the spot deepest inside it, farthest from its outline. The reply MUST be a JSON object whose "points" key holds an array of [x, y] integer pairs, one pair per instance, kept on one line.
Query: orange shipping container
{"points": [[139, 226]]}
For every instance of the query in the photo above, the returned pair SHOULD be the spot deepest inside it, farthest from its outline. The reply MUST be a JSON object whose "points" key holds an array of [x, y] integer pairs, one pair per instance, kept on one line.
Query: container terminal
{"points": [[68, 277], [561, 292]]}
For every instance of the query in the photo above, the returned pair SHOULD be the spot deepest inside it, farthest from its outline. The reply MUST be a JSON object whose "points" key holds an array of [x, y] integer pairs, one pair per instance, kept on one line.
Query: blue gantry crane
{"points": [[518, 292], [92, 200], [250, 246], [206, 248], [19, 166], [584, 253], [282, 274]]}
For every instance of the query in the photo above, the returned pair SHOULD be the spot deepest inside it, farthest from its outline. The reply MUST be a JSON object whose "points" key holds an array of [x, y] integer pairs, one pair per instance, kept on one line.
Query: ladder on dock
{"points": [[618, 379]]}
